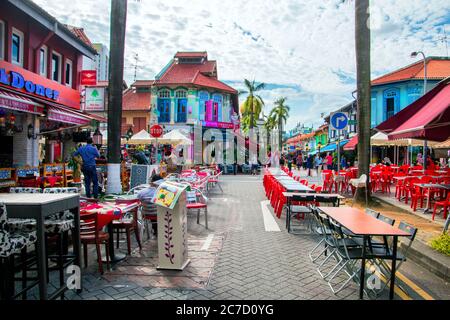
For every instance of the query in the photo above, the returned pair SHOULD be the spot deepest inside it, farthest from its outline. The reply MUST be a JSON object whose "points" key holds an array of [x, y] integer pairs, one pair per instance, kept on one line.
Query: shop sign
{"points": [[89, 77], [95, 99], [16, 80], [25, 81], [220, 125]]}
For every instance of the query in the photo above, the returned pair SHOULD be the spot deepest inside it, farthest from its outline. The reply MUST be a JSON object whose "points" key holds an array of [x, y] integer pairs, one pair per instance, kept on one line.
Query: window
{"points": [[56, 67], [2, 40], [391, 102], [43, 61], [217, 107], [390, 107], [180, 94], [17, 47], [203, 97], [68, 73], [164, 94]]}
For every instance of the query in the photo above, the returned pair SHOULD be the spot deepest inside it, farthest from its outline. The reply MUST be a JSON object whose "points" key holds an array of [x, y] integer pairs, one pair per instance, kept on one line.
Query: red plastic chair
{"points": [[444, 204], [416, 195]]}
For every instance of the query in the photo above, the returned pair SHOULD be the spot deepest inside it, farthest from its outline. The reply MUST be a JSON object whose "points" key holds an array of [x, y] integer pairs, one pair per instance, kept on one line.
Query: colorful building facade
{"points": [[40, 64]]}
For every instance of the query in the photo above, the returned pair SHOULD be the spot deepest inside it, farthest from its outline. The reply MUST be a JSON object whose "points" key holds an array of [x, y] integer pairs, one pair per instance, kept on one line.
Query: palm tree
{"points": [[269, 124], [253, 104], [280, 113], [362, 40]]}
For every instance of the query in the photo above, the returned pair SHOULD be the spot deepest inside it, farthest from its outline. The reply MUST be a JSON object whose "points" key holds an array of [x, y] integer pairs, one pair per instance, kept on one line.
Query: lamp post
{"points": [[97, 138], [319, 145], [414, 55]]}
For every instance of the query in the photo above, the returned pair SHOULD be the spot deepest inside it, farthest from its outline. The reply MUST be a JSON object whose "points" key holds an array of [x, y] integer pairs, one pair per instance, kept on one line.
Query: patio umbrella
{"points": [[175, 137], [142, 137]]}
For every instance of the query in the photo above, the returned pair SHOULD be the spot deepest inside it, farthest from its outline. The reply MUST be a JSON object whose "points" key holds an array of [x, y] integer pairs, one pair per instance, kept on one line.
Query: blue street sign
{"points": [[339, 120]]}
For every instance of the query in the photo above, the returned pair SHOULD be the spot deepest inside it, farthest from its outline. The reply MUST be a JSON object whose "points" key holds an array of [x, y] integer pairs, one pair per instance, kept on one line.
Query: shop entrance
{"points": [[6, 151]]}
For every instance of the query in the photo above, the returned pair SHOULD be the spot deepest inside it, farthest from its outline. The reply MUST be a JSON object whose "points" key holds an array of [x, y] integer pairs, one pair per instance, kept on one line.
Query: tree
{"points": [[116, 62], [253, 104], [269, 124], [362, 41], [280, 113]]}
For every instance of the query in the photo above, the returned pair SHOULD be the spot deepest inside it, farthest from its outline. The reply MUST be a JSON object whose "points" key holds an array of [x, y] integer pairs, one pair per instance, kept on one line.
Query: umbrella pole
{"points": [[425, 155]]}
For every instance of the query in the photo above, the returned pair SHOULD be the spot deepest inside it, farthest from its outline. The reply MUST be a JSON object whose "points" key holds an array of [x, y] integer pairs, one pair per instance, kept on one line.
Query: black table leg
{"points": [[41, 257], [393, 267], [77, 243], [114, 257], [363, 269]]}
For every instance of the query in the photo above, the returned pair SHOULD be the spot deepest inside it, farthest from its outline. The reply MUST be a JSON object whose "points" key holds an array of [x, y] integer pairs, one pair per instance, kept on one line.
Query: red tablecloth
{"points": [[107, 212], [52, 180]]}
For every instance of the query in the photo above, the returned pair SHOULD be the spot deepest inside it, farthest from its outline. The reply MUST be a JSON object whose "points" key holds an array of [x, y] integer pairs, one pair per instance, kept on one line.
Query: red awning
{"points": [[430, 121], [12, 101], [351, 145]]}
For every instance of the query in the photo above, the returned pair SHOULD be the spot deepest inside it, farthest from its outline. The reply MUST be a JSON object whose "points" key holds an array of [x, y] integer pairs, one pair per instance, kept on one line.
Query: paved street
{"points": [[236, 259]]}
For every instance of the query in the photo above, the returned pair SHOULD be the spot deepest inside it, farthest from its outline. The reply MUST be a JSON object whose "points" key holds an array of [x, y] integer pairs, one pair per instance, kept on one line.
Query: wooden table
{"points": [[362, 224], [39, 206]]}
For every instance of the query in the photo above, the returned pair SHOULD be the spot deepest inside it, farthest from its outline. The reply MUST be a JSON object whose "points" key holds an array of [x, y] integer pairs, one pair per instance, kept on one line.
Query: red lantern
{"points": [[12, 119]]}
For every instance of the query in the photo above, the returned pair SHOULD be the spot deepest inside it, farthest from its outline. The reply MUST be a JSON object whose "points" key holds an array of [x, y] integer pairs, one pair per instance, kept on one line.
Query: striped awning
{"points": [[12, 101], [66, 115]]}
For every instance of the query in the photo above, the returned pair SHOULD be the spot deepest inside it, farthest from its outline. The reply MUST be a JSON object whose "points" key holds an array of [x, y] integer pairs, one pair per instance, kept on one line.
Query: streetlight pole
{"points": [[413, 55]]}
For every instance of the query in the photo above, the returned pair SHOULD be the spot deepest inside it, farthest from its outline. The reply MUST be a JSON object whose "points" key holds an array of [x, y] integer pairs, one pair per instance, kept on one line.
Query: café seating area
{"points": [[75, 223]]}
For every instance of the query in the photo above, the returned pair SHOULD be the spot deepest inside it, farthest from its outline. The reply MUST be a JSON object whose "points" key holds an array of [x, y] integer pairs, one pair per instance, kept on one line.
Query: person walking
{"points": [[89, 153], [289, 162], [309, 164], [299, 161], [318, 164], [328, 162]]}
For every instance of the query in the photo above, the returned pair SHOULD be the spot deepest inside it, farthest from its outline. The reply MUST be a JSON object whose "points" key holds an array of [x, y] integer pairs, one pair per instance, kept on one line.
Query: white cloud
{"points": [[303, 43]]}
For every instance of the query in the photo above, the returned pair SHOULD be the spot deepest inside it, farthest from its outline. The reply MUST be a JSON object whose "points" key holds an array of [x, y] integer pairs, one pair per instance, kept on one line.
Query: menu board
{"points": [[168, 193]]}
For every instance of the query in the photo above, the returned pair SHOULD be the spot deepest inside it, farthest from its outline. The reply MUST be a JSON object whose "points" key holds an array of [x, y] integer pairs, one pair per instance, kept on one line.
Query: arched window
{"points": [[203, 97], [180, 94], [164, 93], [391, 102]]}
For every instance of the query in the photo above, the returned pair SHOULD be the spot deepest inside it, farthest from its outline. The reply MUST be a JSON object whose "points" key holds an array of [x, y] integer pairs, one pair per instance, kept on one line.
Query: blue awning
{"points": [[332, 146]]}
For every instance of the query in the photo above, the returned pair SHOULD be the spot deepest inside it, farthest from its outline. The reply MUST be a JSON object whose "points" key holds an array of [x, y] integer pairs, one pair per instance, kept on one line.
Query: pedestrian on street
{"points": [[328, 162], [318, 163], [299, 161], [289, 162], [310, 164], [89, 153]]}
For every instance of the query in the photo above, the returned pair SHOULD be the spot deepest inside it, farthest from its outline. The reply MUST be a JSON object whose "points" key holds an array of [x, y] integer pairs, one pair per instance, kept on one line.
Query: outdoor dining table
{"points": [[332, 198], [107, 213], [430, 186], [362, 224], [39, 206]]}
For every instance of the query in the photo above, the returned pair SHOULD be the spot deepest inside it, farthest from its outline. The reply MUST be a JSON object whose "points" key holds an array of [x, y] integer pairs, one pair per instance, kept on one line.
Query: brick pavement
{"points": [[250, 262]]}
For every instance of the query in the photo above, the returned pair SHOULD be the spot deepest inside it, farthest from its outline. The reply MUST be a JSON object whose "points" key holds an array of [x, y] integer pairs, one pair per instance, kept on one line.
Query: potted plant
{"points": [[75, 163]]}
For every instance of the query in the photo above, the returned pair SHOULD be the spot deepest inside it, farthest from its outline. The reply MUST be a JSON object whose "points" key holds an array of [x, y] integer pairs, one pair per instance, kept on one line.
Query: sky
{"points": [[301, 49]]}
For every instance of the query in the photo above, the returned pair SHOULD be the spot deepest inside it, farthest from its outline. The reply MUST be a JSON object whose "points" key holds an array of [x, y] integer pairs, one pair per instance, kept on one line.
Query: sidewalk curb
{"points": [[431, 260], [425, 256]]}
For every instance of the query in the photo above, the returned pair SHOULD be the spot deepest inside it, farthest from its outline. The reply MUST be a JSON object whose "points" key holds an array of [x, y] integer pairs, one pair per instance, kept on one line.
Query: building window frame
{"points": [[43, 63], [2, 39], [181, 94], [164, 94], [203, 97], [68, 80], [20, 35], [54, 53]]}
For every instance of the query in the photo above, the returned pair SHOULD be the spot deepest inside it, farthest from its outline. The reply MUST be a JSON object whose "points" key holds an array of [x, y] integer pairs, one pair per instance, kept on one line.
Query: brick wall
{"points": [[26, 151]]}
